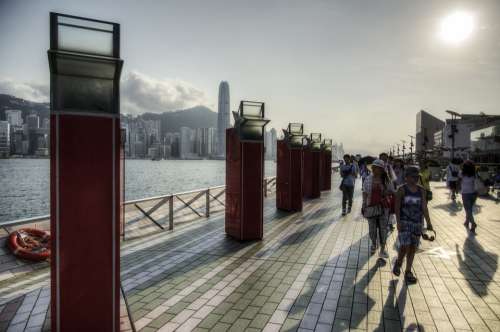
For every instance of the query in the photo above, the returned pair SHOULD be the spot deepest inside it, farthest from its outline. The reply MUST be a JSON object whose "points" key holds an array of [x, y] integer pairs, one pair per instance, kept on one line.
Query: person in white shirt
{"points": [[452, 177], [388, 160], [469, 194]]}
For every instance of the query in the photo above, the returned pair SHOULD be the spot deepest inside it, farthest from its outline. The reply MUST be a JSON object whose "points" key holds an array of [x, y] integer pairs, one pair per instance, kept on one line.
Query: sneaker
{"points": [[343, 213], [473, 229], [410, 278], [349, 209], [383, 253]]}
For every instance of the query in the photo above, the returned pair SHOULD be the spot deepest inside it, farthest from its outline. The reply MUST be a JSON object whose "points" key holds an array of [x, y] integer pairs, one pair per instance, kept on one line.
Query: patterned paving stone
{"points": [[312, 272]]}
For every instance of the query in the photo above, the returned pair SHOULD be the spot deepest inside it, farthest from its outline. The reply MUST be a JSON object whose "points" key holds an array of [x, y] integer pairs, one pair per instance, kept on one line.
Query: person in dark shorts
{"points": [[411, 208]]}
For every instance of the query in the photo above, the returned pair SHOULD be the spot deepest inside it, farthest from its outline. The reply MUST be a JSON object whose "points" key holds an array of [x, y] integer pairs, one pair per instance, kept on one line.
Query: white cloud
{"points": [[30, 91], [141, 93]]}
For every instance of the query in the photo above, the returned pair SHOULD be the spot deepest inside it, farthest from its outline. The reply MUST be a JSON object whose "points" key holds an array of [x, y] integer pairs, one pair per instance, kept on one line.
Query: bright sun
{"points": [[456, 27]]}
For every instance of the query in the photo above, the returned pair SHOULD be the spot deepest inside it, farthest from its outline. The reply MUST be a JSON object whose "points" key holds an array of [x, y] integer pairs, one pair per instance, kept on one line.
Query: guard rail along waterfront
{"points": [[147, 215]]}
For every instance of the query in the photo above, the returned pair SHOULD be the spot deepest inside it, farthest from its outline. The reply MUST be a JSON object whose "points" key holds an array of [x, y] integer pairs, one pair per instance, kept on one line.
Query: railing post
{"points": [[265, 187], [207, 203], [171, 213]]}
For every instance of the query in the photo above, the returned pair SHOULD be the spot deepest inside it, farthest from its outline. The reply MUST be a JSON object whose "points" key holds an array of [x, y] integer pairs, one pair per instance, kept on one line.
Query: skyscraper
{"points": [[223, 118], [4, 139], [14, 117]]}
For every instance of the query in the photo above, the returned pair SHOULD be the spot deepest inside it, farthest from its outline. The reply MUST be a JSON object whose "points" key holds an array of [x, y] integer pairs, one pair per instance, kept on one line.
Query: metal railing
{"points": [[142, 216]]}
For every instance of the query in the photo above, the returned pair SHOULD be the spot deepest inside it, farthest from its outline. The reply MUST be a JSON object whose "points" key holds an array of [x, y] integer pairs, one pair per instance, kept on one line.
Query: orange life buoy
{"points": [[30, 243]]}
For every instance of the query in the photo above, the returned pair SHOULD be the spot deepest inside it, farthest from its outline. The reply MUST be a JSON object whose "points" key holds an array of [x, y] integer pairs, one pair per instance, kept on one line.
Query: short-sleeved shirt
{"points": [[452, 172], [468, 185], [368, 189], [348, 172], [425, 177]]}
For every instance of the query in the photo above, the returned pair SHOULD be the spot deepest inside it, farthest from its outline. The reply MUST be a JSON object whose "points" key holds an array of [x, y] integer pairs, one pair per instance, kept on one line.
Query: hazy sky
{"points": [[356, 71]]}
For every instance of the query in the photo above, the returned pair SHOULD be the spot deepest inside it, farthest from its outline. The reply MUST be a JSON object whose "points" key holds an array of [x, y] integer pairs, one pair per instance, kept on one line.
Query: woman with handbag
{"points": [[376, 189], [469, 193]]}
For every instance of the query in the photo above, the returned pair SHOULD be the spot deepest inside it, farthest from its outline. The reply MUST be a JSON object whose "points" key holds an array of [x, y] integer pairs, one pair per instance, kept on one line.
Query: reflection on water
{"points": [[24, 183]]}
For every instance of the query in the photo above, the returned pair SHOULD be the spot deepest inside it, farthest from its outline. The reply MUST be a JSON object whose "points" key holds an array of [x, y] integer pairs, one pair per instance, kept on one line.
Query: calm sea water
{"points": [[24, 183]]}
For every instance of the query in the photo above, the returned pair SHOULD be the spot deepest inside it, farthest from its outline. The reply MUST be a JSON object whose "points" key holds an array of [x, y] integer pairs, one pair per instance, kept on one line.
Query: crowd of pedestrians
{"points": [[397, 192]]}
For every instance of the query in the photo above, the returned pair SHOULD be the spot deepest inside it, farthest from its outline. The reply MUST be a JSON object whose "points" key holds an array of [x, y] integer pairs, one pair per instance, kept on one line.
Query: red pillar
{"points": [[326, 175], [312, 173], [85, 223], [289, 165], [244, 190]]}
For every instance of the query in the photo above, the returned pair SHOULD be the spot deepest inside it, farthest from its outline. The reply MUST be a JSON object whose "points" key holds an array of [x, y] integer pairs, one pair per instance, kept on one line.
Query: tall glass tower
{"points": [[223, 118]]}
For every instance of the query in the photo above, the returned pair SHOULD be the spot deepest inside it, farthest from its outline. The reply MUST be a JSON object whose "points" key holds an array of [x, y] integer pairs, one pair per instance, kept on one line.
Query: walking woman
{"points": [[376, 188], [469, 194], [411, 208]]}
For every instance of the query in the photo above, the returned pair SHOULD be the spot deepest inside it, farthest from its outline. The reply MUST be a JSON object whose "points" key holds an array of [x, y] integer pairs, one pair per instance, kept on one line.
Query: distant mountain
{"points": [[11, 102], [195, 117]]}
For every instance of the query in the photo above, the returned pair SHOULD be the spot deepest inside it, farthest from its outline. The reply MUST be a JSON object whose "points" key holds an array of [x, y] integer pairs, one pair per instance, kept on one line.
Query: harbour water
{"points": [[24, 183]]}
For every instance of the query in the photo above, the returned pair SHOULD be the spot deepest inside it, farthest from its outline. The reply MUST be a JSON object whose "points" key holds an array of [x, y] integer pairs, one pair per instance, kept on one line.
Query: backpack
{"points": [[454, 171]]}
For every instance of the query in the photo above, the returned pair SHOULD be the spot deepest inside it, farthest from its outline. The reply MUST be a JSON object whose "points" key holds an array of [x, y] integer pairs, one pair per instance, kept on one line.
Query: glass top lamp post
{"points": [[85, 193], [245, 172]]}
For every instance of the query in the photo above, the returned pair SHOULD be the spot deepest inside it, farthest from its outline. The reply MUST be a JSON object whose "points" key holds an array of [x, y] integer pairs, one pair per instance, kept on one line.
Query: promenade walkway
{"points": [[312, 272]]}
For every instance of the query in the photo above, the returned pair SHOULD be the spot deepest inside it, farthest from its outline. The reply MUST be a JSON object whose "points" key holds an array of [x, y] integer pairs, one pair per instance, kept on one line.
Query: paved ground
{"points": [[313, 271]]}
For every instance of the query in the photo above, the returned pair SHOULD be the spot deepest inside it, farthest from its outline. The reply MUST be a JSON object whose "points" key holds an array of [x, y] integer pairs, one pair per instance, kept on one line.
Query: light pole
{"points": [[404, 142], [411, 147], [454, 116]]}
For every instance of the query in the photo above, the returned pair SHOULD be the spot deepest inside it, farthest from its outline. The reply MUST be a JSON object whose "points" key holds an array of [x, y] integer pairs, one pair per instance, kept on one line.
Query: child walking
{"points": [[411, 209]]}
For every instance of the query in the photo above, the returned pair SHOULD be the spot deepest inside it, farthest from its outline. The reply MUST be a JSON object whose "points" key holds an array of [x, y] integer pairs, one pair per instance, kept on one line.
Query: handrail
{"points": [[167, 198], [24, 221]]}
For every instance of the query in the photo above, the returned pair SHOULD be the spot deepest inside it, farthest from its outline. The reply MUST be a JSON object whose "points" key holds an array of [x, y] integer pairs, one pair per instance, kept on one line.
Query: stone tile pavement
{"points": [[312, 272]]}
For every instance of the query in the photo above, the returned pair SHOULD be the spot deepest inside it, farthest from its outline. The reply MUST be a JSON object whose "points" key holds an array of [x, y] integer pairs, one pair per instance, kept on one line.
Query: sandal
{"points": [[410, 278], [396, 269]]}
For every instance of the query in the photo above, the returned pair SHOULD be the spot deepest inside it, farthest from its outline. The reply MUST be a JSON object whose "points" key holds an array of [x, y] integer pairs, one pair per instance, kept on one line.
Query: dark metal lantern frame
{"points": [[315, 141], [250, 121], [294, 135], [327, 144], [77, 73]]}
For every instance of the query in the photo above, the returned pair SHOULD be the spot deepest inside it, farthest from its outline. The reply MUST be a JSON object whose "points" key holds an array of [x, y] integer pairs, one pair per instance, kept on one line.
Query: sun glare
{"points": [[456, 27]]}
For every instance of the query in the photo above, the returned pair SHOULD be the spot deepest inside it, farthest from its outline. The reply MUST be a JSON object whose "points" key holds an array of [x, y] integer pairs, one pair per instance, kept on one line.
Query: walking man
{"points": [[348, 174]]}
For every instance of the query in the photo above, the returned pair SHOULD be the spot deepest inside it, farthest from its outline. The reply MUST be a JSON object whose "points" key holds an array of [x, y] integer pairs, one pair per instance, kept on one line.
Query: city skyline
{"points": [[144, 138]]}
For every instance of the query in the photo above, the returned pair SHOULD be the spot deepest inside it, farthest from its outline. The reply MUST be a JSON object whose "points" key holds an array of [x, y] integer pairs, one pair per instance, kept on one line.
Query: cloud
{"points": [[30, 91], [141, 93]]}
